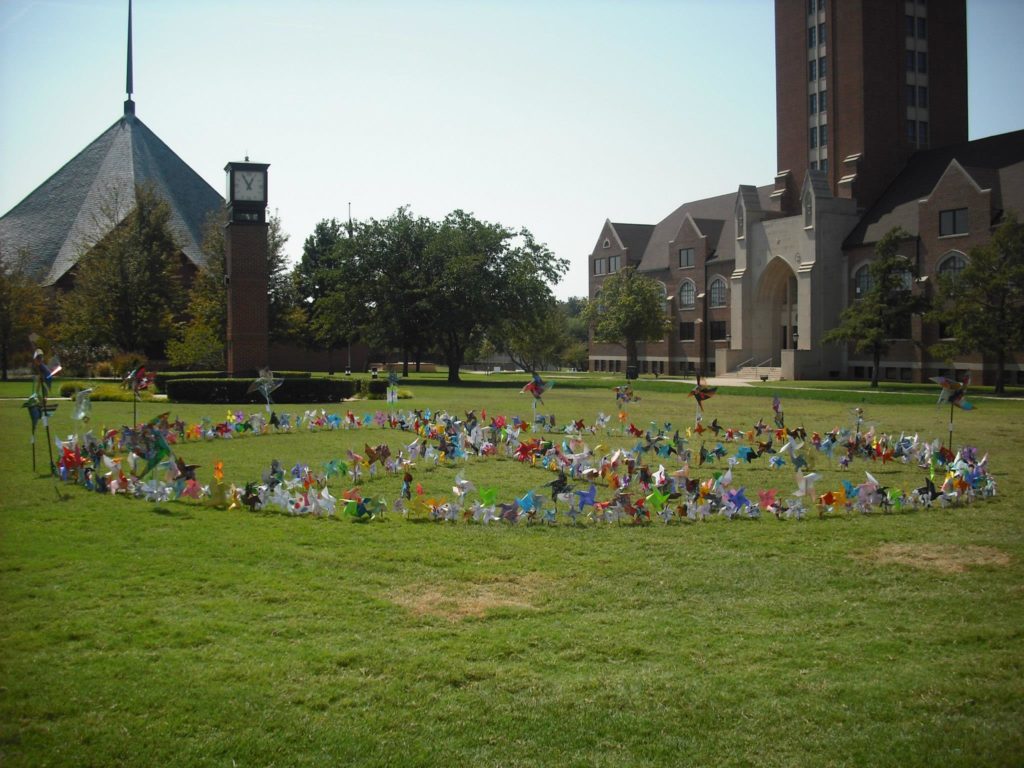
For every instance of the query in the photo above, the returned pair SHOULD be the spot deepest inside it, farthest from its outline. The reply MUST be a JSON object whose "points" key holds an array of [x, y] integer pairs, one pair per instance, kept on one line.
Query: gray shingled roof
{"points": [[720, 208], [66, 214], [634, 237], [995, 163]]}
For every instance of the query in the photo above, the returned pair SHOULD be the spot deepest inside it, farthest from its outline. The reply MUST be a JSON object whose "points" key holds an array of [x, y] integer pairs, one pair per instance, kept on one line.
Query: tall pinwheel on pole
{"points": [[265, 385], [953, 392], [36, 403], [700, 393], [137, 380]]}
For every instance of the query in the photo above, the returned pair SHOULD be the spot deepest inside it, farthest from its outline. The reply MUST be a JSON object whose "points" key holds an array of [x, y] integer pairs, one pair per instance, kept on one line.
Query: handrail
{"points": [[744, 363], [766, 363]]}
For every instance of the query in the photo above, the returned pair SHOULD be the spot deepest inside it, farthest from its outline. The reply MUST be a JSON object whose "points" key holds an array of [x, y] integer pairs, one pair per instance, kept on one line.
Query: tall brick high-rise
{"points": [[863, 84]]}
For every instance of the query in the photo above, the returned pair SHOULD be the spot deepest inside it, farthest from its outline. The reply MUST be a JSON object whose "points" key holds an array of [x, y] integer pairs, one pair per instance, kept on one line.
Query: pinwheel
{"points": [[537, 387], [700, 393], [83, 405], [780, 418], [586, 498]]}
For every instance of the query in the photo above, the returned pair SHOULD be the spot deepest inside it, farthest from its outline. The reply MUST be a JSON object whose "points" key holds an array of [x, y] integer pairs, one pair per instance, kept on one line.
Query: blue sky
{"points": [[548, 115]]}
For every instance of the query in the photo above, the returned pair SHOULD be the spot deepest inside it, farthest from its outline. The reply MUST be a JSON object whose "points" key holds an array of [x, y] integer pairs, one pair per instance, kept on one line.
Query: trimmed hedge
{"points": [[298, 390], [162, 377]]}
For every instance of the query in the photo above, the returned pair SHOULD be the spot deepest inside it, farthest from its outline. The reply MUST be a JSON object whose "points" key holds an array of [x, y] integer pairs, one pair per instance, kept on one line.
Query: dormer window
{"points": [[739, 222], [808, 210]]}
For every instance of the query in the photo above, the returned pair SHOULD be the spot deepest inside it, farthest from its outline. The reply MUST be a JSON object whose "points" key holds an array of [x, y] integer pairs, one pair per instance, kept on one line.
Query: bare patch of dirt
{"points": [[460, 600], [946, 558]]}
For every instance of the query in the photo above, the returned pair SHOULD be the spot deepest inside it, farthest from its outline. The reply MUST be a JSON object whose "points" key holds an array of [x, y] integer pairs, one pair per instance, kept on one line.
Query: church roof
{"points": [[995, 163], [634, 237], [77, 206], [719, 208]]}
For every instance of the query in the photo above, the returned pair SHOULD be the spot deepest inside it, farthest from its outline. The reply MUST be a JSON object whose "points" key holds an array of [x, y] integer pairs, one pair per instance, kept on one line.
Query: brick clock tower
{"points": [[245, 263]]}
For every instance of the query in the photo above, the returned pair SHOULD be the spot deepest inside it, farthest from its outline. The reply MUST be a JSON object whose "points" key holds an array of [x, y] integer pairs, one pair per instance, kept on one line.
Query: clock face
{"points": [[249, 185]]}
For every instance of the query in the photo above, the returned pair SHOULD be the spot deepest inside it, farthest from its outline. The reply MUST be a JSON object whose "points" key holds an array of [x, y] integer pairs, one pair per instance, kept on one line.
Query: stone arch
{"points": [[776, 309]]}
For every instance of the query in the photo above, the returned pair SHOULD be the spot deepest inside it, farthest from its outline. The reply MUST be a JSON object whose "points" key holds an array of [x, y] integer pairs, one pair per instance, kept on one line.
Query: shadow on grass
{"points": [[181, 514]]}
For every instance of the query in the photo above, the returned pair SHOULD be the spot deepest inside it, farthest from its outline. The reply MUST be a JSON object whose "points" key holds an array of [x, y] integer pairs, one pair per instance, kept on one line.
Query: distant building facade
{"points": [[872, 134]]}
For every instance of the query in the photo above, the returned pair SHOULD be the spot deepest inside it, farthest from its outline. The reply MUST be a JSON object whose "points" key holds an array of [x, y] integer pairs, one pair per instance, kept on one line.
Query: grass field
{"points": [[135, 633]]}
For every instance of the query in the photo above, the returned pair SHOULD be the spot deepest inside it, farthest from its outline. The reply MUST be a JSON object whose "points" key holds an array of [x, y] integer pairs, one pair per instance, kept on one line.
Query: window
{"points": [[922, 27], [922, 95], [810, 7], [912, 130], [814, 165], [813, 136], [922, 132], [953, 222], [606, 244], [717, 292], [823, 135], [821, 34], [911, 91], [717, 329], [739, 222], [600, 266], [906, 277], [911, 59], [822, 101], [861, 282], [821, 67], [911, 25], [824, 164], [812, 103], [614, 263], [687, 295], [686, 257], [811, 41], [821, 5], [812, 70], [686, 331], [952, 265], [922, 61], [808, 210]]}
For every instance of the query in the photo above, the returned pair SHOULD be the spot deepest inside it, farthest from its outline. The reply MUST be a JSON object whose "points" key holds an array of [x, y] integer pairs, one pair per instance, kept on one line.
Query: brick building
{"points": [[871, 102]]}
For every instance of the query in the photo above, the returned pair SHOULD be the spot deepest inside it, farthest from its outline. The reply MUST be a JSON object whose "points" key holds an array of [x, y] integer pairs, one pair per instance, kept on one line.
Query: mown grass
{"points": [[177, 634]]}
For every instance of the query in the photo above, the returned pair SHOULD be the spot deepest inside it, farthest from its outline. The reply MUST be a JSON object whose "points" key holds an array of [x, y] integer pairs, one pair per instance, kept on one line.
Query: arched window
{"points": [[861, 282], [664, 298], [687, 295], [952, 264], [717, 292]]}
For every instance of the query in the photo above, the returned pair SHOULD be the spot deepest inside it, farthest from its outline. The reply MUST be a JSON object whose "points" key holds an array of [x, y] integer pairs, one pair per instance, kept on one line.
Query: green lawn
{"points": [[135, 633]]}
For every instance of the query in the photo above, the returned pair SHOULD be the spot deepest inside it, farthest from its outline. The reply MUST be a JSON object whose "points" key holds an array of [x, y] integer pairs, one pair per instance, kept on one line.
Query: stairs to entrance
{"points": [[754, 373]]}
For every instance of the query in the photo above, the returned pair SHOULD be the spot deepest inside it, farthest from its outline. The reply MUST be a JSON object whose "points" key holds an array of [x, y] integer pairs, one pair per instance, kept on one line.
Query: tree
{"points": [[883, 312], [281, 286], [483, 273], [24, 310], [982, 307], [395, 282], [629, 309], [532, 340], [127, 287]]}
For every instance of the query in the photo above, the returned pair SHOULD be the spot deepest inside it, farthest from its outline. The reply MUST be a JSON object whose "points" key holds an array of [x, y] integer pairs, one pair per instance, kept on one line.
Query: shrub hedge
{"points": [[163, 377], [296, 390]]}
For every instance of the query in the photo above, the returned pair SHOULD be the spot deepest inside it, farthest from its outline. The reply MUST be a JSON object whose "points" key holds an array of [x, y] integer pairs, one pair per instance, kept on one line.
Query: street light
{"points": [[796, 337]]}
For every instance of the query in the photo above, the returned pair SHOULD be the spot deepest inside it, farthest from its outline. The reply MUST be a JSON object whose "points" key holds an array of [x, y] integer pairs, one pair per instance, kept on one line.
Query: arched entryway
{"points": [[776, 312]]}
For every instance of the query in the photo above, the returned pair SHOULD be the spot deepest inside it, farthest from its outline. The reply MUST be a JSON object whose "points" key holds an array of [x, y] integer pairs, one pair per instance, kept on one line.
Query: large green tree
{"points": [[395, 283], [484, 273], [982, 307], [629, 309], [24, 310], [127, 287], [883, 312]]}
